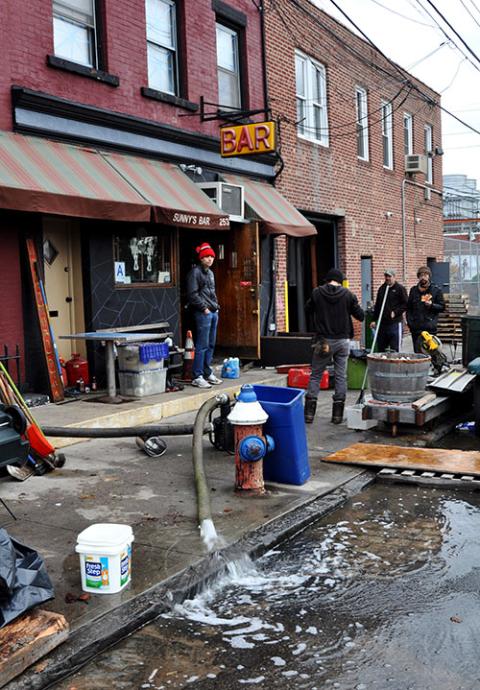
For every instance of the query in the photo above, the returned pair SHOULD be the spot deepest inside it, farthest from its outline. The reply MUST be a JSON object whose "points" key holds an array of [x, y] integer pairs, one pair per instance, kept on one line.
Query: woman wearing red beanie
{"points": [[202, 299]]}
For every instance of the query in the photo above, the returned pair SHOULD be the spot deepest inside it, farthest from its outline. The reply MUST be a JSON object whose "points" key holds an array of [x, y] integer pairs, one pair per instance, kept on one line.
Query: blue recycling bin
{"points": [[288, 463]]}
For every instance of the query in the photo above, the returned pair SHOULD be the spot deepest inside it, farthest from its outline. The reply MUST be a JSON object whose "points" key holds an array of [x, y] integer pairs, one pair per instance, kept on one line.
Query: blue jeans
{"points": [[206, 335]]}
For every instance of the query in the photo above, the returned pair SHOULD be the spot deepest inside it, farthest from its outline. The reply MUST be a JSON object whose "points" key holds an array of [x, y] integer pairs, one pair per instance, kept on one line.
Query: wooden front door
{"points": [[238, 278], [237, 275]]}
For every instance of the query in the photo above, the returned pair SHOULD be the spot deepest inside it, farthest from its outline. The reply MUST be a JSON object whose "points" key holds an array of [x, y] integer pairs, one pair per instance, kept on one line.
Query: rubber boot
{"points": [[310, 409], [337, 411]]}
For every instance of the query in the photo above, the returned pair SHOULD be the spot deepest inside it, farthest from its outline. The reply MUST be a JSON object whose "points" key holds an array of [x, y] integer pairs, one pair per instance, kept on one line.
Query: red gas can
{"points": [[77, 368], [299, 378], [325, 380]]}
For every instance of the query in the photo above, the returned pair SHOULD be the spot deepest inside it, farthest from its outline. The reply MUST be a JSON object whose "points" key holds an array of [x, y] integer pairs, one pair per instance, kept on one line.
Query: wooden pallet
{"points": [[449, 328]]}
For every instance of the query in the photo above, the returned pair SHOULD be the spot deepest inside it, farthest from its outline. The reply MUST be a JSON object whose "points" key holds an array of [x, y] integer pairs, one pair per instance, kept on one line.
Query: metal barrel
{"points": [[398, 376]]}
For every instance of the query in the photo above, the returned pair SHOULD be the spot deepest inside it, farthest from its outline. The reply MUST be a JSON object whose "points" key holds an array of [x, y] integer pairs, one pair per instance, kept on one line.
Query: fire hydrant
{"points": [[251, 445]]}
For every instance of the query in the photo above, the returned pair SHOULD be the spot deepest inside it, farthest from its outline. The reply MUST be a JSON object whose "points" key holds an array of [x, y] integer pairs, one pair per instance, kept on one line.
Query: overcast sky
{"points": [[409, 39]]}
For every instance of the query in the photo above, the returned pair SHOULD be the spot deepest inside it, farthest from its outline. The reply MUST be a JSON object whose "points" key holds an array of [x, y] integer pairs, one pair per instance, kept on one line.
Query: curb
{"points": [[87, 642]]}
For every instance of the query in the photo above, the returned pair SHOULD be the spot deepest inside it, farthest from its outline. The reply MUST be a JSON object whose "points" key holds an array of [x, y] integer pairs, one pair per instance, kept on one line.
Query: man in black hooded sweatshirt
{"points": [[332, 307]]}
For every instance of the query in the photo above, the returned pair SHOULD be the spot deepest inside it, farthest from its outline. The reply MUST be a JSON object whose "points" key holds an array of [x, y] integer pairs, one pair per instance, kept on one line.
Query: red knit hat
{"points": [[204, 250]]}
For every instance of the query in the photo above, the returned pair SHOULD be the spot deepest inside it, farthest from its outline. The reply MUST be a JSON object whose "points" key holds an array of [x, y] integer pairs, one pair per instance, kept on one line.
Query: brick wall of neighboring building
{"points": [[27, 38], [11, 312], [325, 179]]}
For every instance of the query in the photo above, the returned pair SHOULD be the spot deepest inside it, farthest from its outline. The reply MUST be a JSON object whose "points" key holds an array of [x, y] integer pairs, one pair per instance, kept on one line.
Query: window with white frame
{"points": [[228, 67], [362, 122], [75, 31], [428, 148], [407, 133], [387, 134], [311, 88], [162, 53]]}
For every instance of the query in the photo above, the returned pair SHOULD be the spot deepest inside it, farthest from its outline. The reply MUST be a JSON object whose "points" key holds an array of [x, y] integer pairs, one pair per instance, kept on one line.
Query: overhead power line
{"points": [[472, 52], [470, 13], [404, 16]]}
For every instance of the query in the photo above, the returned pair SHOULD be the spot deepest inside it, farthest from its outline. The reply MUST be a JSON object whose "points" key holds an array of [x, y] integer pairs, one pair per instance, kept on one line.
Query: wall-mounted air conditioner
{"points": [[416, 163], [228, 197]]}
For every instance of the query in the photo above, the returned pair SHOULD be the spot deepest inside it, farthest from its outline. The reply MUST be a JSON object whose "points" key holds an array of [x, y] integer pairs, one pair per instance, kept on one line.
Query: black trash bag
{"points": [[359, 354], [24, 581]]}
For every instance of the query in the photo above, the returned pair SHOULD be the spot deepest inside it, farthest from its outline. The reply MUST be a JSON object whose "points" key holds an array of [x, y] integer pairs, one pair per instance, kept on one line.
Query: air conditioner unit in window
{"points": [[416, 163], [228, 197]]}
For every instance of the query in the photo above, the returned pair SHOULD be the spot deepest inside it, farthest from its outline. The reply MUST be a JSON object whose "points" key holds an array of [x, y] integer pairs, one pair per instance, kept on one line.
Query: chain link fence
{"points": [[464, 258]]}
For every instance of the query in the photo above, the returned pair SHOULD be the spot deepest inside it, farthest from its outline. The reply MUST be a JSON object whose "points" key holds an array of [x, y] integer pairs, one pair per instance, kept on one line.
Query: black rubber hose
{"points": [[153, 430]]}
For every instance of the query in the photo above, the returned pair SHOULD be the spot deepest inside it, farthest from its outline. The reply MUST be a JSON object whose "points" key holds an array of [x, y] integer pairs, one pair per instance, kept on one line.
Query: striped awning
{"points": [[45, 176], [175, 199], [277, 215]]}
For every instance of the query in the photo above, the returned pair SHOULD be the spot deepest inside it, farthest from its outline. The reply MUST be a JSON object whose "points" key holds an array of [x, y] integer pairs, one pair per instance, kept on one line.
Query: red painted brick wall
{"points": [[11, 319], [324, 179], [27, 38]]}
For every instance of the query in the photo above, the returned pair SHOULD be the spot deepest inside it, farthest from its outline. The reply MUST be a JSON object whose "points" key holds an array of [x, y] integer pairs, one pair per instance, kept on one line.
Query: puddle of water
{"points": [[383, 593]]}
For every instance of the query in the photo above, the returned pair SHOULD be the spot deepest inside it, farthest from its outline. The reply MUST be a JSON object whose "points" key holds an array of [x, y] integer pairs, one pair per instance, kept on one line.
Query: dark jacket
{"points": [[201, 293], [419, 316], [332, 307], [396, 301]]}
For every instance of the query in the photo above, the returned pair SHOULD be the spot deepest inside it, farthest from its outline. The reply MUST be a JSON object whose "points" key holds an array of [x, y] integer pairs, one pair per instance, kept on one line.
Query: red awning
{"points": [[45, 176], [277, 215], [175, 199]]}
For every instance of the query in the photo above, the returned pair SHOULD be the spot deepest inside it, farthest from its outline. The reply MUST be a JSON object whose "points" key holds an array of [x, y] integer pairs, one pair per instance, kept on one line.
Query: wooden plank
{"points": [[27, 639], [424, 400], [427, 459], [56, 384]]}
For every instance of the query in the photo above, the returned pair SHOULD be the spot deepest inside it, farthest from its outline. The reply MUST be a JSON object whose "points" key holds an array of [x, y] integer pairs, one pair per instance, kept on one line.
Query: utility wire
{"points": [[475, 6], [443, 43], [404, 16], [453, 29], [470, 13]]}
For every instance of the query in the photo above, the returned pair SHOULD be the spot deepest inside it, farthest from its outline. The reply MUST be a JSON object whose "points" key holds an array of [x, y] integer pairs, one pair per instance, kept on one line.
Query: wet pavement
{"points": [[382, 593]]}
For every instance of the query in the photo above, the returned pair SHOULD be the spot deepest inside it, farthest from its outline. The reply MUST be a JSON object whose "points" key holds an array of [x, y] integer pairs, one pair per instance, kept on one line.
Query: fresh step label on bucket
{"points": [[125, 567], [96, 571]]}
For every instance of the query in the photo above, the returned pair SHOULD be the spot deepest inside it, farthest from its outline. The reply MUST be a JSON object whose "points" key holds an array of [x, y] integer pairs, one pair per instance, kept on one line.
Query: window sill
{"points": [[311, 140], [82, 70], [169, 98]]}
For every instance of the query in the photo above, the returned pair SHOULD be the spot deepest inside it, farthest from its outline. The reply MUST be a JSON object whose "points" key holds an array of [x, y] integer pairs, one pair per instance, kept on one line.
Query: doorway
{"points": [[237, 278], [63, 282]]}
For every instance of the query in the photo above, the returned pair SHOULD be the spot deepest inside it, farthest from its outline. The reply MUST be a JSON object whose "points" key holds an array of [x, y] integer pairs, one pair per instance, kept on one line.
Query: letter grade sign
{"points": [[242, 140]]}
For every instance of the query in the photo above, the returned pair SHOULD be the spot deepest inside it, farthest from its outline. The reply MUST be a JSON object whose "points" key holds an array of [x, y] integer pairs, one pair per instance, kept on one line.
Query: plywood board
{"points": [[398, 457], [27, 639]]}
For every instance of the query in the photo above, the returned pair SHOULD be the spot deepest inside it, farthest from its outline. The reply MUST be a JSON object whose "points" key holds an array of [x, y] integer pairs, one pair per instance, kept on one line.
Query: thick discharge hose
{"points": [[207, 528], [153, 430]]}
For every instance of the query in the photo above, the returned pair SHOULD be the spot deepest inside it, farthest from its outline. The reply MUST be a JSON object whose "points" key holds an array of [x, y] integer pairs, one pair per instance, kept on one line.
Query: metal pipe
{"points": [[207, 528], [153, 430]]}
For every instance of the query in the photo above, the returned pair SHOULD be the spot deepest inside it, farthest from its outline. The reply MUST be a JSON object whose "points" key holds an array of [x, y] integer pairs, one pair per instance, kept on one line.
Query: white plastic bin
{"points": [[105, 552], [356, 421], [140, 383]]}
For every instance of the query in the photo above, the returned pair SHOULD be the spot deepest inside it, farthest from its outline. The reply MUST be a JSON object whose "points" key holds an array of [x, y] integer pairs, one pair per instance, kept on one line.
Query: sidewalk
{"points": [[112, 481]]}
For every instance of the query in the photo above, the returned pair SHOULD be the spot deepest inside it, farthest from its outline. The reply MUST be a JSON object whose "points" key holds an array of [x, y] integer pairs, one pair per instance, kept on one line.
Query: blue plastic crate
{"points": [[288, 463], [156, 351]]}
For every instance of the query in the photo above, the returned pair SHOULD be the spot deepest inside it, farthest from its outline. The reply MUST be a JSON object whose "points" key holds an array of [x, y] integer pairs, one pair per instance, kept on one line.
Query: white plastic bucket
{"points": [[105, 552]]}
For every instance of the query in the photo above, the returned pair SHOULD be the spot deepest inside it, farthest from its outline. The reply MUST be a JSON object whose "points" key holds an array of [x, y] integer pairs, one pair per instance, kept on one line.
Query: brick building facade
{"points": [[352, 197], [139, 90]]}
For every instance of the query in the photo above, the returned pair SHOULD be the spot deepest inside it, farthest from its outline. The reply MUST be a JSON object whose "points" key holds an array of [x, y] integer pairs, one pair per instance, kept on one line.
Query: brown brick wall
{"points": [[324, 179]]}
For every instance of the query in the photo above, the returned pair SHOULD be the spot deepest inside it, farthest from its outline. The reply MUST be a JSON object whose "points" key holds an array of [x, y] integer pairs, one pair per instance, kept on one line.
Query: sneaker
{"points": [[213, 380], [201, 383]]}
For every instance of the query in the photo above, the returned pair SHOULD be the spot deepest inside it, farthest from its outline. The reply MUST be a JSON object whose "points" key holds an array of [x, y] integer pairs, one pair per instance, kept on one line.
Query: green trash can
{"points": [[356, 367]]}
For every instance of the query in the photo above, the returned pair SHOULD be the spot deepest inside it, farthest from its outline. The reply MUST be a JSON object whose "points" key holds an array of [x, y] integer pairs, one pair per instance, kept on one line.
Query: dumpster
{"points": [[470, 338], [288, 463]]}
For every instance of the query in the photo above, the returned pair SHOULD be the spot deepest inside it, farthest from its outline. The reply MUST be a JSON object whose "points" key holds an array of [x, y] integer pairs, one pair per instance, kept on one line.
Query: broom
{"points": [[361, 397]]}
